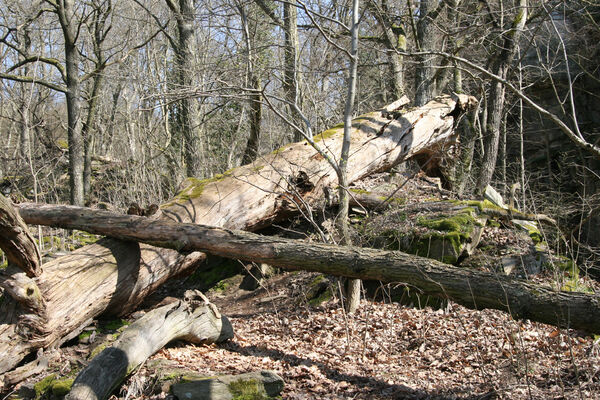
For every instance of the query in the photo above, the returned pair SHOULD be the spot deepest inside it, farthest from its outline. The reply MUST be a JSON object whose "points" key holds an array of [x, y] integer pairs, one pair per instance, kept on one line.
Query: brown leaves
{"points": [[396, 352]]}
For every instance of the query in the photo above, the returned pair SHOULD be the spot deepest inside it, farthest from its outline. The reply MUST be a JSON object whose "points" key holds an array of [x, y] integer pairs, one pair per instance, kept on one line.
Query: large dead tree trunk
{"points": [[471, 288], [113, 276]]}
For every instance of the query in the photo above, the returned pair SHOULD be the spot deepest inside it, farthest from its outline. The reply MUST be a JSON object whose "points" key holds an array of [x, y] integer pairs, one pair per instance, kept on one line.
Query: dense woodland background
{"points": [[117, 102]]}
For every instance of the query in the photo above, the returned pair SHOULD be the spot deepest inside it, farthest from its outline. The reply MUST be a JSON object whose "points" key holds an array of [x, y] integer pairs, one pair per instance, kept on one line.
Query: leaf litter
{"points": [[390, 351]]}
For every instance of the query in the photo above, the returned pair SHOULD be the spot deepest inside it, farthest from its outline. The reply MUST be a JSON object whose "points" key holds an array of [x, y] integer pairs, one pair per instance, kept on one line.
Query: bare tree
{"points": [[186, 112]]}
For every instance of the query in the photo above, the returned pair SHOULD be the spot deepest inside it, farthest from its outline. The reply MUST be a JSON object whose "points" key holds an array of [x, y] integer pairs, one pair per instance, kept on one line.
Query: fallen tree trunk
{"points": [[190, 320], [113, 276], [471, 288]]}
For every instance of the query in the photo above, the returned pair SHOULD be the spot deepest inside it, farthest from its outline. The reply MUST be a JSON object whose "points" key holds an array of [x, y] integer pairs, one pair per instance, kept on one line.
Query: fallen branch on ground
{"points": [[191, 320], [471, 288]]}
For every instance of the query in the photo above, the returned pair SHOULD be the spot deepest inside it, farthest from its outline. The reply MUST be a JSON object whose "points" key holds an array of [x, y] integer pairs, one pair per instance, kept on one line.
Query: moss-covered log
{"points": [[113, 276], [471, 288], [194, 319], [251, 385]]}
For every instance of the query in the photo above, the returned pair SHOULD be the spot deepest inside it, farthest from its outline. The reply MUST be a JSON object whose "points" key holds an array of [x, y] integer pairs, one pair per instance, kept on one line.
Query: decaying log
{"points": [[191, 320], [23, 311], [16, 241], [471, 288], [20, 374], [113, 276], [227, 387]]}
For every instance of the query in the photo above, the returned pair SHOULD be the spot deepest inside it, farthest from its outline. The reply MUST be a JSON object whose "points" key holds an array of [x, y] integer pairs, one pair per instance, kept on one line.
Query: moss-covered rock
{"points": [[444, 233], [249, 389], [249, 386], [319, 291], [215, 272]]}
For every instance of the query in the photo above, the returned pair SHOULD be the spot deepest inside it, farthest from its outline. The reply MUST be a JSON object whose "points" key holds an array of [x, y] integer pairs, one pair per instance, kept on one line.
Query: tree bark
{"points": [[190, 320], [291, 76], [500, 66], [424, 83], [186, 110], [352, 286], [471, 288], [16, 241], [113, 276], [66, 16]]}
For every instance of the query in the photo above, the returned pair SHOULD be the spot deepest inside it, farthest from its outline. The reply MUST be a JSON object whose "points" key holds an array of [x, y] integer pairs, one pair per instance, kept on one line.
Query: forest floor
{"points": [[384, 351], [387, 351]]}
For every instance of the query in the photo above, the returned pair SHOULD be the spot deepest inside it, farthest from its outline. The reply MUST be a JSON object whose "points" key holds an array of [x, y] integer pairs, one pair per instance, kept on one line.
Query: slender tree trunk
{"points": [[395, 38], [108, 143], [26, 92], [291, 75], [87, 133], [186, 114], [251, 151], [353, 285], [424, 83], [66, 12], [500, 66]]}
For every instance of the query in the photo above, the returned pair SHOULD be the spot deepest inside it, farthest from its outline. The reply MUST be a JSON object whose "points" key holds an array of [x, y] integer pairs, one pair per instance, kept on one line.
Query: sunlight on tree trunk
{"points": [[353, 286]]}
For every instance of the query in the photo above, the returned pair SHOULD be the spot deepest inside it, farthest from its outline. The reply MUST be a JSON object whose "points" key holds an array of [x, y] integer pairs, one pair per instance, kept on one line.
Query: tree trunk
{"points": [[424, 83], [471, 288], [190, 320], [251, 151], [113, 276], [500, 66], [66, 13], [352, 286], [16, 241], [291, 75], [186, 122], [87, 133]]}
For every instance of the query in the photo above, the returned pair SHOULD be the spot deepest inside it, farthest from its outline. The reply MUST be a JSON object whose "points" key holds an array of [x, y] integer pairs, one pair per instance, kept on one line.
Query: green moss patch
{"points": [[441, 235], [461, 223], [62, 387], [44, 386], [98, 349], [247, 390], [114, 325], [328, 133], [214, 273], [194, 188], [318, 291]]}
